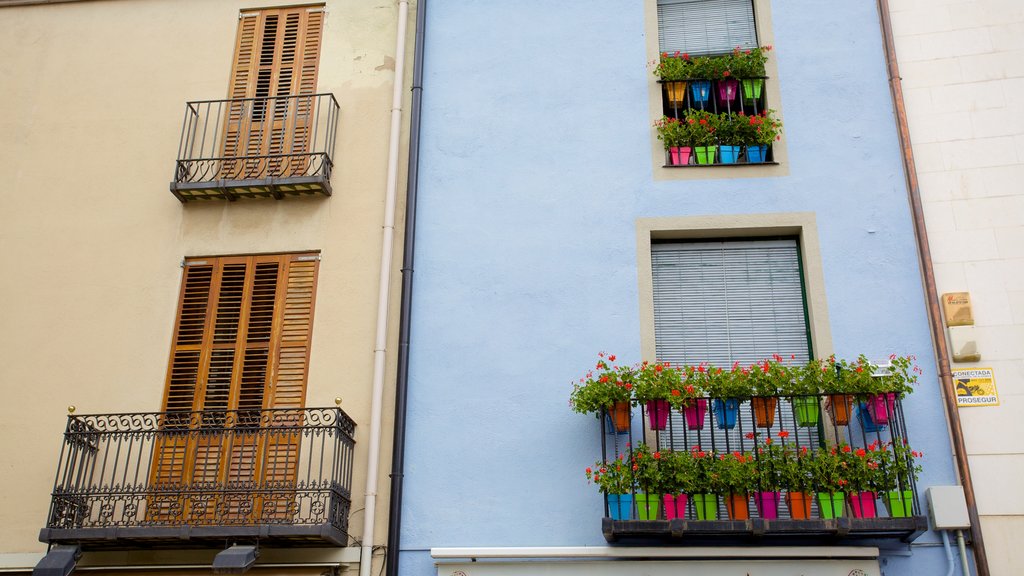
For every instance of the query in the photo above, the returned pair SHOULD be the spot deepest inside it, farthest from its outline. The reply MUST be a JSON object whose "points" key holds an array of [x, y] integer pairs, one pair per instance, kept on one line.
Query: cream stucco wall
{"points": [[91, 239], [962, 64]]}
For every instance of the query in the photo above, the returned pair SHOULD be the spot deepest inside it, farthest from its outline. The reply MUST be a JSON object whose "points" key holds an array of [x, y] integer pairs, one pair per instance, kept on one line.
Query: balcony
{"points": [[200, 479], [809, 426], [274, 147]]}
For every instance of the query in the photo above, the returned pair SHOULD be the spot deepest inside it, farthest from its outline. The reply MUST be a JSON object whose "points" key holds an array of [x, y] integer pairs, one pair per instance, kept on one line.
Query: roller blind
{"points": [[705, 26]]}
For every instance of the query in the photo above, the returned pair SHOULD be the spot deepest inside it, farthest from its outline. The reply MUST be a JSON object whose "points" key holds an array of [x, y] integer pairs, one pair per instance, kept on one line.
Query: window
{"points": [[241, 346], [705, 26]]}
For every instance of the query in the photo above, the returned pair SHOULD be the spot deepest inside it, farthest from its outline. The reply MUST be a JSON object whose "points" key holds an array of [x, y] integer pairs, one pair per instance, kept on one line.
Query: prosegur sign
{"points": [[975, 387]]}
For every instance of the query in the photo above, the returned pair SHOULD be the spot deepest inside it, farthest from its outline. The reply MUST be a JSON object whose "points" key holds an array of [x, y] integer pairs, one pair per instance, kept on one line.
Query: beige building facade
{"points": [[253, 292], [962, 68]]}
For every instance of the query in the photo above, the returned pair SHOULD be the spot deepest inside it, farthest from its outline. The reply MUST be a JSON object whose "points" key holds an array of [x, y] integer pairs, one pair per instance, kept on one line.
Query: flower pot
{"points": [[675, 506], [767, 504], [694, 413], [647, 506], [729, 154], [738, 506], [807, 411], [706, 506], [727, 89], [866, 421], [881, 406], [839, 406], [899, 503], [830, 504], [752, 89], [657, 413], [700, 90], [675, 91], [620, 506], [705, 154], [757, 154], [725, 412], [764, 411], [799, 504], [680, 155], [618, 418], [862, 505]]}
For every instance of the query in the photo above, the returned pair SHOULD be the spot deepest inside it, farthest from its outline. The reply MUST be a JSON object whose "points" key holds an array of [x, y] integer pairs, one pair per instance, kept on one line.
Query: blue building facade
{"points": [[545, 199]]}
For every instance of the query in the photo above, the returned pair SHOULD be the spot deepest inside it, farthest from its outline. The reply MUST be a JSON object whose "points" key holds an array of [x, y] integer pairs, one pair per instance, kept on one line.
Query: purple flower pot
{"points": [[695, 414], [728, 88], [767, 504], [657, 413]]}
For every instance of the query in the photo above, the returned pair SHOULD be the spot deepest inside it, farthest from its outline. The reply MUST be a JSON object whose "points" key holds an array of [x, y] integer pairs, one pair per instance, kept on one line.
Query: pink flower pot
{"points": [[767, 504], [675, 506], [680, 155], [862, 504], [881, 406], [728, 88], [657, 413], [695, 414]]}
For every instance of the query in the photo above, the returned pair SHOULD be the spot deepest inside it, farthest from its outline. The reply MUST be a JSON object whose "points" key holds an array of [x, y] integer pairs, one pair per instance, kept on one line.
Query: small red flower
{"points": [[783, 434], [612, 358], [725, 73], [860, 452], [846, 449], [750, 435], [690, 389], [676, 392]]}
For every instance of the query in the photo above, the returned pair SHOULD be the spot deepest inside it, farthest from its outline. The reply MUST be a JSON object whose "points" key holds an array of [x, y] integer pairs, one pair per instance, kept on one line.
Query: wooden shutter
{"points": [[277, 53], [242, 341], [705, 26]]}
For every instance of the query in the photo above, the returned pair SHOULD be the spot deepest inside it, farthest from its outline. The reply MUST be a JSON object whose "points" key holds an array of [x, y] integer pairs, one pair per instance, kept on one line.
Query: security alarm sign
{"points": [[975, 387]]}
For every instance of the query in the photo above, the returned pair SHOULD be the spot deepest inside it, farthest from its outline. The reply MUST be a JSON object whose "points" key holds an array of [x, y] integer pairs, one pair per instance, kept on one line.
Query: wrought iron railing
{"points": [[801, 424], [240, 147], [219, 470]]}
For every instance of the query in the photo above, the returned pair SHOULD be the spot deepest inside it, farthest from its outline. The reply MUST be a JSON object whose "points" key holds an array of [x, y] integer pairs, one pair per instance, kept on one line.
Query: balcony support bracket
{"points": [[235, 560], [59, 561]]}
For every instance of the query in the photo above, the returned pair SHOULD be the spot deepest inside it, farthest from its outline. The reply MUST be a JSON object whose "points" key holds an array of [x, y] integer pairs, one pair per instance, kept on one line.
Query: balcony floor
{"points": [[277, 188], [148, 537]]}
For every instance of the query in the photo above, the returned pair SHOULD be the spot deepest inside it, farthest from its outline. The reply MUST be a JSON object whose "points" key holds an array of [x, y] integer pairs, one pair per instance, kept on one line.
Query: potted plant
{"points": [[767, 378], [651, 479], [749, 67], [897, 470], [701, 71], [675, 135], [839, 399], [864, 474], [803, 388], [690, 400], [707, 483], [737, 474], [769, 462], [673, 71], [658, 385], [762, 129], [614, 478], [606, 388], [703, 126], [726, 388], [830, 471], [681, 478], [890, 381], [797, 478], [732, 130]]}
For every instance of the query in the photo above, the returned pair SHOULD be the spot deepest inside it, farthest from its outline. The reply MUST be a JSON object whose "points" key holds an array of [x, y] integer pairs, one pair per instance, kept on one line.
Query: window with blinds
{"points": [[726, 302], [701, 27]]}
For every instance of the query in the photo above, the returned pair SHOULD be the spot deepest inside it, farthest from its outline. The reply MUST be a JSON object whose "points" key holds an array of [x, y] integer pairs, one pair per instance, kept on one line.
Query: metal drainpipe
{"points": [[931, 293], [405, 314]]}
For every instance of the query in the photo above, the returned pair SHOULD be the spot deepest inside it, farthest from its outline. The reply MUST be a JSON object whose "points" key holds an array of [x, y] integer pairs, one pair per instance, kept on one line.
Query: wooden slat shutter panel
{"points": [[705, 26]]}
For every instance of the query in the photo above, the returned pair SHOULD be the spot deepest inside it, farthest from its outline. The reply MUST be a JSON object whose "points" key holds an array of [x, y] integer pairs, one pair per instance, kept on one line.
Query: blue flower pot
{"points": [[756, 154], [865, 419], [725, 412], [729, 154], [620, 506], [700, 90]]}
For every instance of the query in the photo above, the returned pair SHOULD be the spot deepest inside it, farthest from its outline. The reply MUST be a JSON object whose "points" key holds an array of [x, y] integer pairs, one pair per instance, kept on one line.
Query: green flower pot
{"points": [[831, 504], [752, 89], [647, 506], [899, 503], [705, 154], [807, 412], [706, 505]]}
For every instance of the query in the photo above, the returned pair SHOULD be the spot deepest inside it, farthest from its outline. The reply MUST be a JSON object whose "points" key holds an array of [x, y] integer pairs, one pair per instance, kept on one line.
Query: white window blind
{"points": [[705, 26]]}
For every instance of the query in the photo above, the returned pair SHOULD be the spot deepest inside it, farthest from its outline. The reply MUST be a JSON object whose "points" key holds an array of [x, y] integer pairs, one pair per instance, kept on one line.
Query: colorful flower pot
{"points": [[799, 504], [657, 413], [647, 506], [752, 89], [694, 413], [757, 154], [729, 154], [680, 155], [706, 506], [675, 92], [830, 504], [866, 421], [705, 154], [700, 90], [807, 411], [618, 418], [862, 505], [899, 503], [839, 406], [620, 506], [881, 406], [767, 504], [727, 89], [675, 506], [764, 411], [725, 412], [738, 506]]}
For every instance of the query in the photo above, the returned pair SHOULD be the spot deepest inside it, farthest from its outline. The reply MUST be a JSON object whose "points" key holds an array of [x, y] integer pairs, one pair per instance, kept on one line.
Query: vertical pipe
{"points": [[931, 292]]}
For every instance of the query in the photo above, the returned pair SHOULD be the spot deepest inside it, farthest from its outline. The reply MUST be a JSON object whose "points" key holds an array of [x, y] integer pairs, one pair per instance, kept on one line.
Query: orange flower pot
{"points": [[840, 407], [799, 504], [738, 506], [619, 413], [764, 411]]}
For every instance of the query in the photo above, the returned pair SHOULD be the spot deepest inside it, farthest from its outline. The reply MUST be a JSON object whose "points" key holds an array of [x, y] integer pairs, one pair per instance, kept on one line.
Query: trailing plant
{"points": [[681, 473], [612, 476], [762, 129], [737, 472], [673, 67], [602, 387], [830, 470], [748, 63], [650, 472], [656, 381], [769, 377], [796, 471], [897, 465], [702, 126], [734, 383], [672, 132]]}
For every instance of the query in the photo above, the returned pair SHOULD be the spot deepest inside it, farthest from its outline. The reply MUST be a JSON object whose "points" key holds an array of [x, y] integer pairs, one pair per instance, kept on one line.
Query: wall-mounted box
{"points": [[964, 344], [947, 508], [956, 307]]}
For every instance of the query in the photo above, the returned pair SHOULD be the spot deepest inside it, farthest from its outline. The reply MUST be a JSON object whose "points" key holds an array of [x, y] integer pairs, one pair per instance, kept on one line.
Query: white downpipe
{"points": [[949, 552], [384, 297], [963, 553]]}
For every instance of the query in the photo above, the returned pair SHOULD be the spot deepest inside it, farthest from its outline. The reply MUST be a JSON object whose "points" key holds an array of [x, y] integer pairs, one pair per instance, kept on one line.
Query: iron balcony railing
{"points": [[256, 147], [195, 477], [716, 427]]}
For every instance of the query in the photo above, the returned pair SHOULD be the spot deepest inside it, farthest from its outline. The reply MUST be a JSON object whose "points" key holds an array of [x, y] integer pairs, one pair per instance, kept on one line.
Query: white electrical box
{"points": [[948, 508]]}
